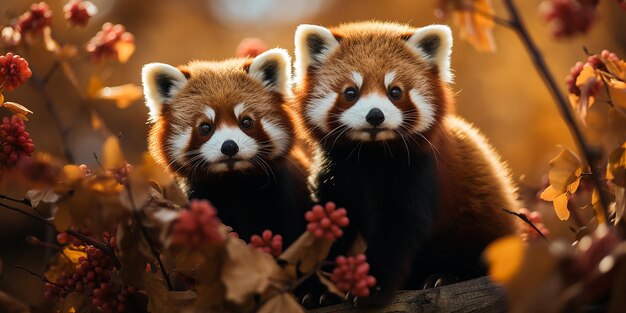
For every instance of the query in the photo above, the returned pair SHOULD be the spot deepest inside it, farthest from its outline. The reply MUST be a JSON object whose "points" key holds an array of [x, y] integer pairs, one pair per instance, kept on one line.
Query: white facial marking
{"points": [[318, 108], [425, 110], [211, 150], [210, 113], [178, 142], [278, 136], [358, 79], [239, 108], [354, 117], [389, 78]]}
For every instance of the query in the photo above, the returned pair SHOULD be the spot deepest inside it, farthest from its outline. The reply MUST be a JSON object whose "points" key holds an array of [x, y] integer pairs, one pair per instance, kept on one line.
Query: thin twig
{"points": [[524, 218], [43, 278], [145, 234], [38, 218], [51, 71], [591, 155], [22, 201], [308, 275]]}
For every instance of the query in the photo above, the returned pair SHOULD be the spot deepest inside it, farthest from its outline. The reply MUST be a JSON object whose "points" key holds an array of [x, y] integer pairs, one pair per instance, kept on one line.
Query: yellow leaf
{"points": [[617, 91], [123, 95], [112, 156], [1, 98], [616, 68], [124, 50], [560, 207], [616, 168], [597, 207], [587, 83], [476, 28], [550, 193], [16, 107], [504, 257], [564, 169]]}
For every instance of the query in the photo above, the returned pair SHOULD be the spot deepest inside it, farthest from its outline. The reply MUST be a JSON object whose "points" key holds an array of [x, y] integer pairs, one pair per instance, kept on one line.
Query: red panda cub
{"points": [[224, 128], [422, 186]]}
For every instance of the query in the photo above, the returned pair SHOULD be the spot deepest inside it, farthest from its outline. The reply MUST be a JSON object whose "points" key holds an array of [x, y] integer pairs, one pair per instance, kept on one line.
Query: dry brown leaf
{"points": [[245, 272], [284, 302], [307, 252], [475, 27], [332, 288], [504, 257], [123, 95]]}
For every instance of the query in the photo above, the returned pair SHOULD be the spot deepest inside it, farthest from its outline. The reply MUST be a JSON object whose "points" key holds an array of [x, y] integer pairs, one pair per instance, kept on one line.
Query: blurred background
{"points": [[499, 92]]}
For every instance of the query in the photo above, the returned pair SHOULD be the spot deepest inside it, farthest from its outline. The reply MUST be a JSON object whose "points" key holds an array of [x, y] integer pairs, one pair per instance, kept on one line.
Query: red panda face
{"points": [[372, 81], [215, 117]]}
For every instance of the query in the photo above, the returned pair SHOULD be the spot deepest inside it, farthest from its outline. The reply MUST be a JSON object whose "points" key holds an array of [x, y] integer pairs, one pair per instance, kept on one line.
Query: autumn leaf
{"points": [[616, 169], [123, 95], [597, 206], [332, 288], [75, 302], [307, 252], [617, 92], [95, 85], [476, 25], [41, 195], [564, 176], [284, 302], [124, 50], [112, 156], [16, 108], [619, 204], [63, 261], [616, 67], [504, 257]]}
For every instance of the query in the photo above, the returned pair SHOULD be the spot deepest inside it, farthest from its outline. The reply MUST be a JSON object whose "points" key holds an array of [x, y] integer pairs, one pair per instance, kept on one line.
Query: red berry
{"points": [[351, 274], [32, 23], [268, 242], [104, 44], [11, 150], [197, 226], [78, 12], [326, 222], [567, 18]]}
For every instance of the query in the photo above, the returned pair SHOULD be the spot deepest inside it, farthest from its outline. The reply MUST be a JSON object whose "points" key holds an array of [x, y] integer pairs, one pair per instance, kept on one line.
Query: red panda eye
{"points": [[246, 123], [351, 93], [395, 93], [204, 129]]}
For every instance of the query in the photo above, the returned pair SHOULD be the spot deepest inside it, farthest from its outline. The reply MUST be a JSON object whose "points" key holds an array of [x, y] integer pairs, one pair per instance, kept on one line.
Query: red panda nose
{"points": [[229, 148], [375, 117]]}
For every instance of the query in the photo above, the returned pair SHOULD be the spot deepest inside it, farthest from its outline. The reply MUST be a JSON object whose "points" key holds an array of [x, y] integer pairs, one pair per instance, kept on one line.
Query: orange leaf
{"points": [[587, 82], [124, 50], [1, 98], [616, 68], [564, 169], [550, 193], [617, 91], [476, 28], [560, 207], [597, 207], [123, 95], [95, 85], [616, 168], [504, 257], [112, 156]]}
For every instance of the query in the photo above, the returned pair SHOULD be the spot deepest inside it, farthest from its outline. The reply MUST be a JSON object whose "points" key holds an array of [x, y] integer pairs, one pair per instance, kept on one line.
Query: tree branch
{"points": [[156, 254], [590, 154], [524, 218]]}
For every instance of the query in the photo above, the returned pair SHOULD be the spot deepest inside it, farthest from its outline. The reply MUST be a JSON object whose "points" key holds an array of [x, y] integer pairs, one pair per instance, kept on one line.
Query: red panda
{"points": [[225, 129], [422, 186]]}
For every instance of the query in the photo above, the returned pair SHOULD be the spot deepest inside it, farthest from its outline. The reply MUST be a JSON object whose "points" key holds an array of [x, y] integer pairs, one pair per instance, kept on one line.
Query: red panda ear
{"points": [[313, 46], [434, 43], [161, 82], [273, 69]]}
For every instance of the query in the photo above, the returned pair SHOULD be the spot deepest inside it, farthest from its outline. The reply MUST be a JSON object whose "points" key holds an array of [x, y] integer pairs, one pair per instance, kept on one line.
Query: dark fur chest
{"points": [[251, 203]]}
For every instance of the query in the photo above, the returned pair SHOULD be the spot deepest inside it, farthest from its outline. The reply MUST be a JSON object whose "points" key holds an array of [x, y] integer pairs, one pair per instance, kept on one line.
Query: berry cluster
{"points": [[38, 17], [268, 243], [567, 18], [105, 44], [14, 71], [597, 62], [197, 226], [78, 12], [15, 142], [527, 232], [352, 275], [327, 221]]}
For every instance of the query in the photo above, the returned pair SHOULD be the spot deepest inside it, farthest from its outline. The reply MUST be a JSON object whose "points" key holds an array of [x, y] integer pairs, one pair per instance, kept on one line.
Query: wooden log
{"points": [[476, 295]]}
